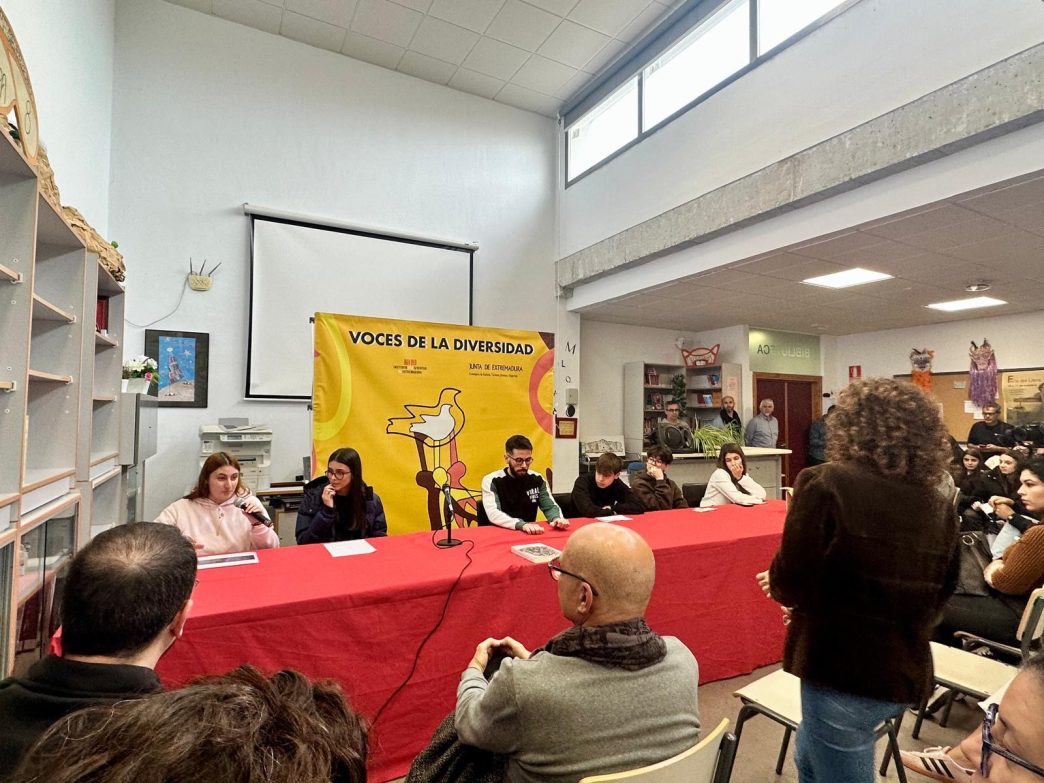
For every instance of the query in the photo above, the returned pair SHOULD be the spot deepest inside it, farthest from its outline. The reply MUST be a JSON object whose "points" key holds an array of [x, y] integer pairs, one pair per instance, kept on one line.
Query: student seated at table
{"points": [[512, 496], [220, 515], [240, 726], [731, 483], [339, 505], [653, 488], [602, 492]]}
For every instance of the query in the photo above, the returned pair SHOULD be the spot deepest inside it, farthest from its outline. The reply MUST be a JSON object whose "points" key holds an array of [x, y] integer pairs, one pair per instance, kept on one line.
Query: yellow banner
{"points": [[427, 405]]}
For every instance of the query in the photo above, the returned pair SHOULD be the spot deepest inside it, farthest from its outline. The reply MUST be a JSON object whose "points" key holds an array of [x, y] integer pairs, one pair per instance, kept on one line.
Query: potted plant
{"points": [[709, 439], [139, 373], [678, 392]]}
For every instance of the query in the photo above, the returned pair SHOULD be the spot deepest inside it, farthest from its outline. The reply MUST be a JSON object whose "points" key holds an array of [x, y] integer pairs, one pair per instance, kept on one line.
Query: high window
{"points": [[732, 36]]}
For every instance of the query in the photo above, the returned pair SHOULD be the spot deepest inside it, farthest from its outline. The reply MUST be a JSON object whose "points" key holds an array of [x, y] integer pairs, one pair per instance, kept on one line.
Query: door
{"points": [[797, 399]]}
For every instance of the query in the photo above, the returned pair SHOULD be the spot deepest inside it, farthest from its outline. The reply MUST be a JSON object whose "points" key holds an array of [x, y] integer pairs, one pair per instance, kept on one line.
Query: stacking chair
{"points": [[778, 696], [693, 494], [565, 502], [708, 761], [1030, 632], [963, 672]]}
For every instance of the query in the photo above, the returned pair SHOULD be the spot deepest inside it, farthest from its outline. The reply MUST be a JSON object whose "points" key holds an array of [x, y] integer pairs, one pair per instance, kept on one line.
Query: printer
{"points": [[250, 444]]}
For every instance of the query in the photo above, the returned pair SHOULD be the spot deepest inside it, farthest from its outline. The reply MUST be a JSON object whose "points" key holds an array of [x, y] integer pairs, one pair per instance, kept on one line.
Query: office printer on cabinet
{"points": [[250, 445]]}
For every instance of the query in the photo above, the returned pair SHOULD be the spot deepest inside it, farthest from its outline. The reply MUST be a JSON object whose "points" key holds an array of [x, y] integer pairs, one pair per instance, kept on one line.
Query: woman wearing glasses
{"points": [[339, 506], [1010, 748], [220, 515]]}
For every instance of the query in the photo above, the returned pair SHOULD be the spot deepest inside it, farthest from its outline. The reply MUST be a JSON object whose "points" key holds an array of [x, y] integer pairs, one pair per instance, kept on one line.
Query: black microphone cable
{"points": [[431, 633]]}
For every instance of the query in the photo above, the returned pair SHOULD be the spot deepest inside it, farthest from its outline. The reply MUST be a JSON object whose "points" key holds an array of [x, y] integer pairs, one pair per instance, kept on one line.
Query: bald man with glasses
{"points": [[606, 695], [512, 496]]}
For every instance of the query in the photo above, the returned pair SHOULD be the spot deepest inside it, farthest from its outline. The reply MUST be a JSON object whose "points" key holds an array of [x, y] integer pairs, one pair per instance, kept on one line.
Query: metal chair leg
{"points": [[946, 710], [783, 750], [916, 733], [893, 752]]}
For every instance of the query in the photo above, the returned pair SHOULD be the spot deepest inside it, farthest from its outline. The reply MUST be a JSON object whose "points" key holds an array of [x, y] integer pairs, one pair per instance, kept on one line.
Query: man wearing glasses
{"points": [[606, 695], [511, 497], [653, 488]]}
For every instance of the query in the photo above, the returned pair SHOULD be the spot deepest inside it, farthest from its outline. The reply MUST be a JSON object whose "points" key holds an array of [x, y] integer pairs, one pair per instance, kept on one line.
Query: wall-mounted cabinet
{"points": [[59, 406], [648, 388]]}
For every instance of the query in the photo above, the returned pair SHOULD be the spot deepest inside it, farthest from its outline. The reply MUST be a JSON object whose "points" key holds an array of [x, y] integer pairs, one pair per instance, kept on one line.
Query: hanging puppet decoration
{"points": [[921, 374], [983, 373]]}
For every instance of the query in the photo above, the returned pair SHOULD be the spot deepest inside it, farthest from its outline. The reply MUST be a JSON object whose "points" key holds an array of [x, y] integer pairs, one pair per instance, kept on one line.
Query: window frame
{"points": [[647, 52]]}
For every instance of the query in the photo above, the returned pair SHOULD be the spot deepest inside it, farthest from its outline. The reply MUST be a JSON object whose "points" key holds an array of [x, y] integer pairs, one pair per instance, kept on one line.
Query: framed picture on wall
{"points": [[183, 359]]}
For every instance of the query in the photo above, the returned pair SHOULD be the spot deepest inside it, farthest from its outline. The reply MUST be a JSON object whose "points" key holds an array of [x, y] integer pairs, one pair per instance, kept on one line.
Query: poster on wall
{"points": [[183, 359], [428, 405], [1022, 392]]}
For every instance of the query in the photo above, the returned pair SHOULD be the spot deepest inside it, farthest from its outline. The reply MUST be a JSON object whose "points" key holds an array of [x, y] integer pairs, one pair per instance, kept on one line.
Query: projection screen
{"points": [[298, 269]]}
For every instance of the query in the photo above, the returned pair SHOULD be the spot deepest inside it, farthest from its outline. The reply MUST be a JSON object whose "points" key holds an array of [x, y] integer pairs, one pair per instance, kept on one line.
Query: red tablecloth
{"points": [[361, 619]]}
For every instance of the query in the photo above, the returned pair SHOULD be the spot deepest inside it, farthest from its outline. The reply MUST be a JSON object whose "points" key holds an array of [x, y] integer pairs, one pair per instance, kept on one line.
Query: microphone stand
{"points": [[447, 512]]}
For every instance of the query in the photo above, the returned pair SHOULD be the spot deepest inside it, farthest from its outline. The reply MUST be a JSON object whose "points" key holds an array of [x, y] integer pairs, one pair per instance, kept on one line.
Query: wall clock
{"points": [[16, 90]]}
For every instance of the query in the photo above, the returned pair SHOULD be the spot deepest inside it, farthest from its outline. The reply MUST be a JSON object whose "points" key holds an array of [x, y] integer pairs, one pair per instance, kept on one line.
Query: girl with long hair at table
{"points": [[220, 515], [730, 482], [339, 505], [867, 561]]}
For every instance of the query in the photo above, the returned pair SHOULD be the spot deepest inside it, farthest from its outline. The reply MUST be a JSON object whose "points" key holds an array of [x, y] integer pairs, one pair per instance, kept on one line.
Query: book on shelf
{"points": [[101, 317]]}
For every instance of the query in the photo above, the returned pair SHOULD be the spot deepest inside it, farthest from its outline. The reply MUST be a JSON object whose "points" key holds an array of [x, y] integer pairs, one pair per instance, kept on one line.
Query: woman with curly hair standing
{"points": [[867, 561]]}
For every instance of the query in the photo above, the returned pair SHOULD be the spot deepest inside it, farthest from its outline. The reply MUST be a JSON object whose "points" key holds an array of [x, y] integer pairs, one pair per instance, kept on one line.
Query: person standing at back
{"points": [[867, 561], [763, 430]]}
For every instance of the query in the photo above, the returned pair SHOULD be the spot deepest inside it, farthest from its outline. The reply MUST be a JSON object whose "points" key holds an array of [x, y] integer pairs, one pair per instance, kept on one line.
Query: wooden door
{"points": [[797, 399]]}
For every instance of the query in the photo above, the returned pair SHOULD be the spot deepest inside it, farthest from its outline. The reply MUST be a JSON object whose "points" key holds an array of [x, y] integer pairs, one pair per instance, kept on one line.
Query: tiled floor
{"points": [[756, 758]]}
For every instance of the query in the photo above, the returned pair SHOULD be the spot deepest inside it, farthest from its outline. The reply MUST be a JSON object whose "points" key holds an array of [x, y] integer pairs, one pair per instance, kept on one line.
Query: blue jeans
{"points": [[835, 741]]}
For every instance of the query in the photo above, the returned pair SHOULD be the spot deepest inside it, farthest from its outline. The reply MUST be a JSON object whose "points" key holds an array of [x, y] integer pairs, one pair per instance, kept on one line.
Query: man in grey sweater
{"points": [[607, 695]]}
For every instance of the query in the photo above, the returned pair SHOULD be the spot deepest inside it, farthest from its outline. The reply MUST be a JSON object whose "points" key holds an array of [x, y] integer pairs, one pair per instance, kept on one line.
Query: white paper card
{"points": [[360, 546], [701, 509], [224, 561], [614, 518]]}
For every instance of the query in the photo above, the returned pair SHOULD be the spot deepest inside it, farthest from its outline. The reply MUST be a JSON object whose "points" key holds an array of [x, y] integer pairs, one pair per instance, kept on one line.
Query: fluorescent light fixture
{"points": [[967, 304], [848, 278]]}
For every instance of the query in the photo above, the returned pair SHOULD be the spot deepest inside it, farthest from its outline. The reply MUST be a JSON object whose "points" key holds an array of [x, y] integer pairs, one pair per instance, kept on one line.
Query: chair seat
{"points": [[780, 692], [967, 672]]}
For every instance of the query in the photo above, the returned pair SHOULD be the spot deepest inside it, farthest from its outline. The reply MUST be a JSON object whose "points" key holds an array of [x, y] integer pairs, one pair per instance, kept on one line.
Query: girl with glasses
{"points": [[339, 506]]}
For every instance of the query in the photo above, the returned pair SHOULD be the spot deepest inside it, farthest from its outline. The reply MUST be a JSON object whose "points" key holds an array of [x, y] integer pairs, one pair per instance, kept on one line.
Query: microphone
{"points": [[447, 512], [261, 517]]}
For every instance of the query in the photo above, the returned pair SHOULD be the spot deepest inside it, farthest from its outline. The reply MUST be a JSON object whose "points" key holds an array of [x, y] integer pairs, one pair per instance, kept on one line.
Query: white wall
{"points": [[605, 348], [68, 49], [209, 114], [1015, 340], [874, 57]]}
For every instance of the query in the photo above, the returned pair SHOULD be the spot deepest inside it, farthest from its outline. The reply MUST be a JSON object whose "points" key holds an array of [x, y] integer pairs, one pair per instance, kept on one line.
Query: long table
{"points": [[361, 619]]}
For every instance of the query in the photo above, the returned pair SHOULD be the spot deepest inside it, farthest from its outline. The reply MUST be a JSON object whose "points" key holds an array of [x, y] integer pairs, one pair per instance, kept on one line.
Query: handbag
{"points": [[974, 557]]}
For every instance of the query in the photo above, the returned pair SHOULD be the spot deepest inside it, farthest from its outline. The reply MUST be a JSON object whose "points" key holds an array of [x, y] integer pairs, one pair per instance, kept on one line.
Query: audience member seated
{"points": [[1008, 748], [220, 515], [602, 492], [339, 505], [730, 483], [239, 726], [991, 435], [969, 476], [125, 601], [607, 695], [1011, 578], [512, 496], [1001, 485], [653, 488]]}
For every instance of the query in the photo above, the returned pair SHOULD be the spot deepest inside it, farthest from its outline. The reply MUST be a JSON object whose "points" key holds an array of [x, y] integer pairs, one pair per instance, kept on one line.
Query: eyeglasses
{"points": [[673, 410], [338, 474], [521, 460], [989, 745], [556, 572], [657, 462]]}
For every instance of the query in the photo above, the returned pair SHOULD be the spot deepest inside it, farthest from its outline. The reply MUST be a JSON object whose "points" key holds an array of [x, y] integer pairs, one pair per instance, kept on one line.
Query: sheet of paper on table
{"points": [[614, 518], [346, 548], [699, 509], [224, 561]]}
